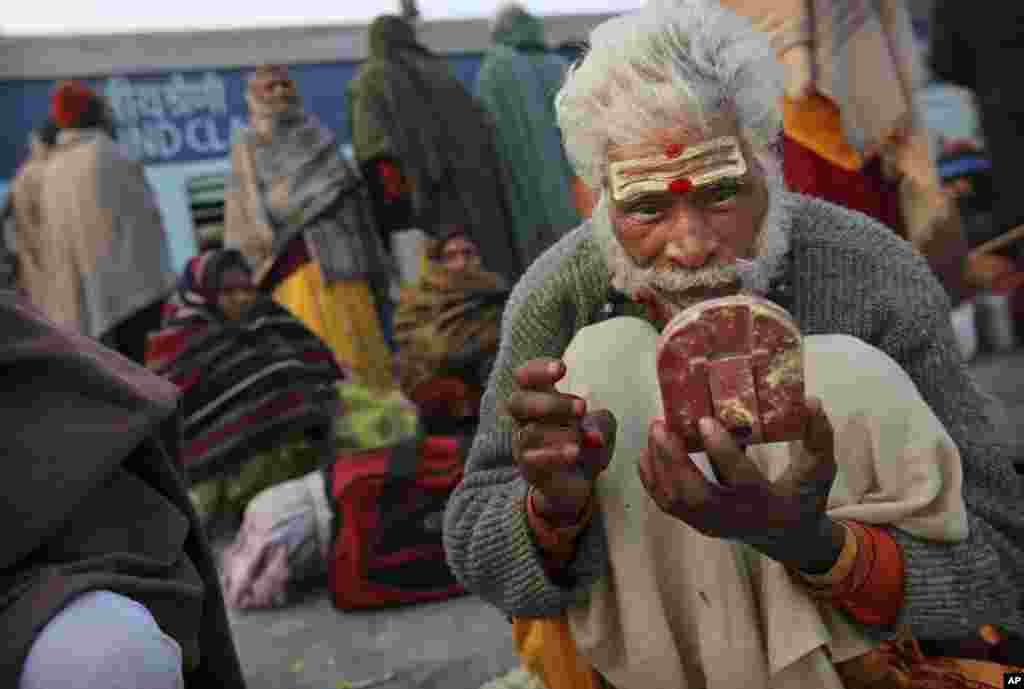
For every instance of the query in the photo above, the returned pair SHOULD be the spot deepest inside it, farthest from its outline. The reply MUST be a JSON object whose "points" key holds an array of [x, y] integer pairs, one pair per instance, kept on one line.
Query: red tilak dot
{"points": [[673, 150], [680, 186]]}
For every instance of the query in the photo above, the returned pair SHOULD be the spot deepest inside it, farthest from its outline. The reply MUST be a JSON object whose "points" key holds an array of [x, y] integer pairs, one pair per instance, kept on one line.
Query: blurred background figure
{"points": [[105, 251], [107, 579], [295, 212], [853, 134], [517, 83], [447, 327], [427, 148], [975, 49], [24, 237], [259, 389]]}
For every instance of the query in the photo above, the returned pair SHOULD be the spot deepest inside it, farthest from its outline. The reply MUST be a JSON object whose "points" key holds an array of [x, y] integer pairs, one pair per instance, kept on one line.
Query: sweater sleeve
{"points": [[951, 589], [487, 535]]}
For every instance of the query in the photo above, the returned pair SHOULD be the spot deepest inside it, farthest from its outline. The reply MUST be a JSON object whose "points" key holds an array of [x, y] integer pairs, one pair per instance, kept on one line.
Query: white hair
{"points": [[670, 63]]}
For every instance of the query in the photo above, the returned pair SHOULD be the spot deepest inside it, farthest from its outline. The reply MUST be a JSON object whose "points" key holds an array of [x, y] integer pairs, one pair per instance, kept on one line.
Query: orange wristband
{"points": [[867, 579], [878, 596]]}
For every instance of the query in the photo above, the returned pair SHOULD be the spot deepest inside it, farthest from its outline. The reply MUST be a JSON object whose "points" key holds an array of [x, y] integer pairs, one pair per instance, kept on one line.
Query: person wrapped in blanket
{"points": [[259, 388], [446, 326], [447, 331]]}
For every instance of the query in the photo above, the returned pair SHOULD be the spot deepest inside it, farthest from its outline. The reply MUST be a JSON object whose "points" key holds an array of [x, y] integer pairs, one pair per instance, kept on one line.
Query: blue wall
{"points": [[174, 117]]}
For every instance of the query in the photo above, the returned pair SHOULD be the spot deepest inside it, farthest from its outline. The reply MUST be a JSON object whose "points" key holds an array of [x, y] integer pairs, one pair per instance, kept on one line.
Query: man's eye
{"points": [[645, 211], [720, 192]]}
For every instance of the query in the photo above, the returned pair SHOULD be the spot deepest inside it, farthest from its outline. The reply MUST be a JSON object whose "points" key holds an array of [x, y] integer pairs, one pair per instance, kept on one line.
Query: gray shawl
{"points": [[301, 185]]}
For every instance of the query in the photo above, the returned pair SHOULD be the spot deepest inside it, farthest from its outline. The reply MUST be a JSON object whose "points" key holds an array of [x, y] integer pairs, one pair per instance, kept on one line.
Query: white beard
{"points": [[672, 284]]}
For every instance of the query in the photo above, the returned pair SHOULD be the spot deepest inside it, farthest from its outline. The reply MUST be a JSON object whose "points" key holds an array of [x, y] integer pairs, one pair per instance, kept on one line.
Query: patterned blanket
{"points": [[246, 384]]}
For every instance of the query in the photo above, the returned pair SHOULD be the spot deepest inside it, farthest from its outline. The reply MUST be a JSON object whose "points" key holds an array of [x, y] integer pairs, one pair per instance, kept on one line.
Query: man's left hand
{"points": [[784, 519]]}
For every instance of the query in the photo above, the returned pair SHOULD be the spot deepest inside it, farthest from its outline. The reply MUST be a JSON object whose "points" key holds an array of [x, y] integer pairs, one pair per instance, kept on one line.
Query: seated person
{"points": [[788, 565], [106, 579], [259, 389], [446, 329]]}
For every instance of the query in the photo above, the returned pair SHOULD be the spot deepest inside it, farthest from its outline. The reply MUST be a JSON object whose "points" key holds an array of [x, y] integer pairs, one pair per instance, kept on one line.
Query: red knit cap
{"points": [[70, 100]]}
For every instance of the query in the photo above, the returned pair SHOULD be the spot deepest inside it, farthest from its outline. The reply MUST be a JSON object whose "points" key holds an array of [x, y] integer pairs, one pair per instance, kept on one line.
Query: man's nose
{"points": [[691, 250]]}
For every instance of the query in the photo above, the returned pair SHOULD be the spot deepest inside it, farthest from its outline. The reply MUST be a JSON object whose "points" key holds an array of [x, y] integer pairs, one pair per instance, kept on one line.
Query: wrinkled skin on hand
{"points": [[559, 447], [784, 519]]}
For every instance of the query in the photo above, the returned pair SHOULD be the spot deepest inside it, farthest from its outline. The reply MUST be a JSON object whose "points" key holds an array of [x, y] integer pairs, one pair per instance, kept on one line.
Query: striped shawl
{"points": [[246, 385]]}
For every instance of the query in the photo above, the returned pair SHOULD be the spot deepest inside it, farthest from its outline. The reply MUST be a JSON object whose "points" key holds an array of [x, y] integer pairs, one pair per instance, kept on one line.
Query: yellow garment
{"points": [[342, 314], [547, 650], [814, 122]]}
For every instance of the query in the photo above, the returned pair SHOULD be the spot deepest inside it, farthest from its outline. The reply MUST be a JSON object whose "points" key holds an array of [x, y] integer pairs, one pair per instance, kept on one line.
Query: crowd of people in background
{"points": [[780, 153]]}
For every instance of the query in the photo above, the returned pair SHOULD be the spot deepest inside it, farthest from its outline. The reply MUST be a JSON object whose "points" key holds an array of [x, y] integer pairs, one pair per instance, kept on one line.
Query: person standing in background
{"points": [[107, 259], [853, 133], [299, 215], [24, 233], [517, 83], [427, 147]]}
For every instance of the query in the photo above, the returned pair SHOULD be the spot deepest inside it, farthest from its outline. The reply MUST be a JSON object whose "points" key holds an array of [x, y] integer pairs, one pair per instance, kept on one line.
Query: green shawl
{"points": [[517, 83], [407, 106]]}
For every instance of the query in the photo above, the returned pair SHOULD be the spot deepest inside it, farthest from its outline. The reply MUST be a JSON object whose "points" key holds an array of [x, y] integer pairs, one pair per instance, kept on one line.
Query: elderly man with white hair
{"points": [[894, 506]]}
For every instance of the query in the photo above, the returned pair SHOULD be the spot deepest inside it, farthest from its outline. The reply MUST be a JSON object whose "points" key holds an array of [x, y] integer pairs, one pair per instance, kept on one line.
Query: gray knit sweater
{"points": [[845, 274]]}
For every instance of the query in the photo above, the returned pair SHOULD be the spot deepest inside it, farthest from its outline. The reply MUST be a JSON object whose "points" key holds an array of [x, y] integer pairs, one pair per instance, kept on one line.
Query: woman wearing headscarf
{"points": [[259, 389], [300, 215], [427, 147], [517, 83], [447, 328]]}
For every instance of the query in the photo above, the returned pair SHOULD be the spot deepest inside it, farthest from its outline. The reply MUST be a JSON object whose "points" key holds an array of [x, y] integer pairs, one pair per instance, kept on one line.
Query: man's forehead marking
{"points": [[697, 165], [676, 153]]}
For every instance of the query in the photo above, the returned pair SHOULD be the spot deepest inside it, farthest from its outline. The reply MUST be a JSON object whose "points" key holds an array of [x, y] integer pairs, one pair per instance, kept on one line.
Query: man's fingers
{"points": [[732, 465], [563, 488], [535, 436], [674, 473], [526, 406], [540, 373], [599, 429]]}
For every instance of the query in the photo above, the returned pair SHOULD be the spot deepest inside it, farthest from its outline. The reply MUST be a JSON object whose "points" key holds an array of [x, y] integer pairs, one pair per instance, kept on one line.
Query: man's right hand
{"points": [[560, 449]]}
